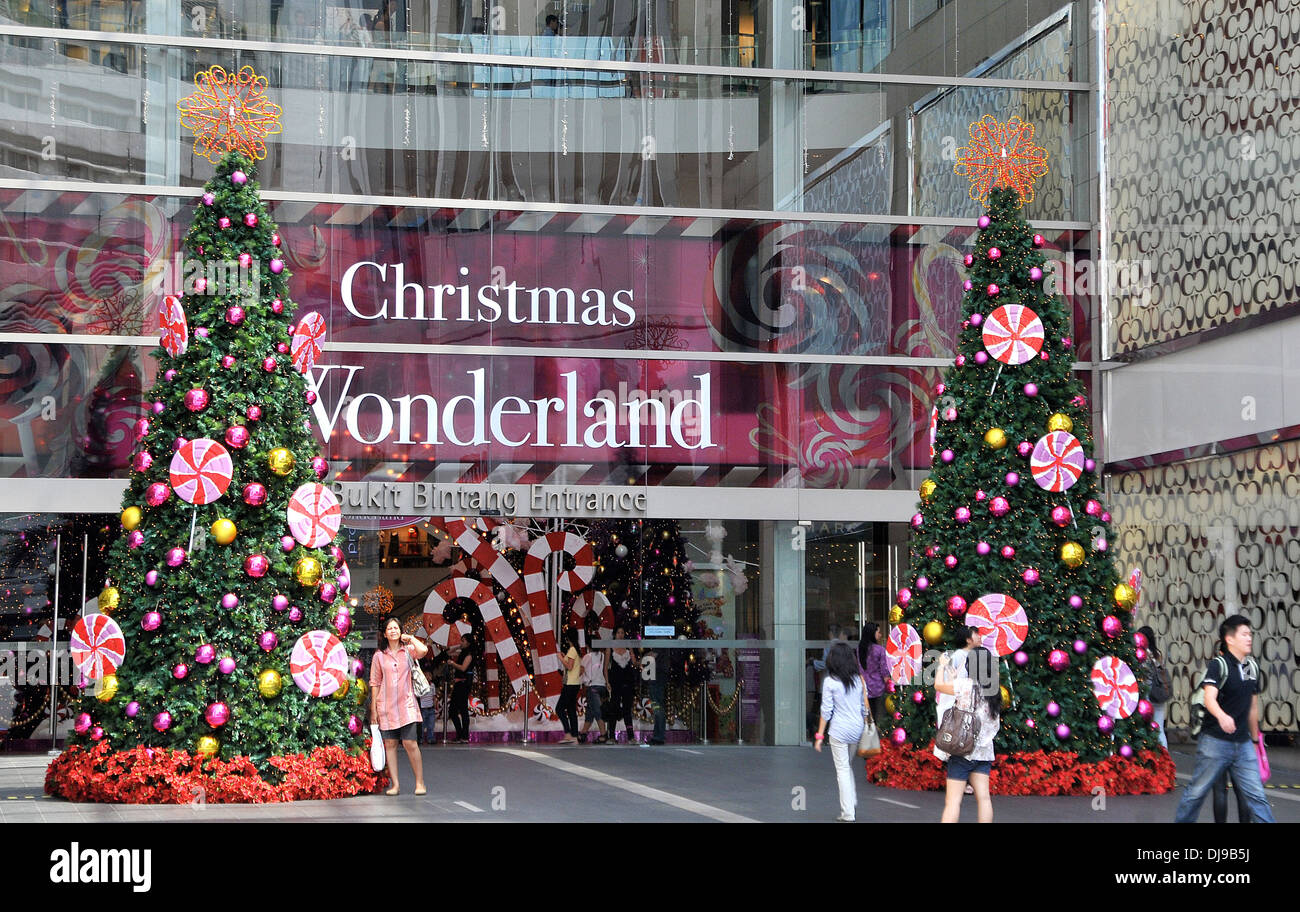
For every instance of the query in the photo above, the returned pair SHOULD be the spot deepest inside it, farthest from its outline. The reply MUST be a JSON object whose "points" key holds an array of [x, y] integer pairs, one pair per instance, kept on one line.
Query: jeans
{"points": [[567, 709], [430, 725], [658, 697], [596, 695], [1213, 756], [844, 776], [1220, 800]]}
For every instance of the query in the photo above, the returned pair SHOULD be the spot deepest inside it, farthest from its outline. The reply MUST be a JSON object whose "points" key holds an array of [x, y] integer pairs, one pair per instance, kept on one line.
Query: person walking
{"points": [[969, 677], [623, 672], [1231, 728], [875, 668], [462, 676], [392, 699], [844, 707], [1159, 684], [596, 684], [655, 673], [428, 716], [567, 707]]}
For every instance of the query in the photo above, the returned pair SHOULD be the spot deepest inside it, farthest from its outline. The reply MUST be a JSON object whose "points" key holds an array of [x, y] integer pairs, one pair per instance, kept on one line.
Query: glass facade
{"points": [[727, 237]]}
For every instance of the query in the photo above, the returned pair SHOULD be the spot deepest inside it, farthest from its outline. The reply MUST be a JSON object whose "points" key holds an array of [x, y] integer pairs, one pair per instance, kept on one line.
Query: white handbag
{"points": [[378, 759]]}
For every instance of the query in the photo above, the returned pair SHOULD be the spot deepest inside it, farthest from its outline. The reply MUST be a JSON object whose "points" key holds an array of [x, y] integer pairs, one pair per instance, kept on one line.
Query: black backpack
{"points": [[1199, 711], [1162, 688]]}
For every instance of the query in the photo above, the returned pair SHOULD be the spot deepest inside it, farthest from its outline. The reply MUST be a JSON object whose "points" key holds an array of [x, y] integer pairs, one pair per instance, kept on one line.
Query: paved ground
{"points": [[476, 784]]}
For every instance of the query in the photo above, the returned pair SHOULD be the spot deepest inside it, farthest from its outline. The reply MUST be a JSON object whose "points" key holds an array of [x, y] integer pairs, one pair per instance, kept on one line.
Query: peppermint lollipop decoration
{"points": [[305, 346], [1116, 687], [201, 471], [1001, 621], [903, 649], [1013, 334], [97, 646], [318, 663], [173, 329], [314, 515], [1057, 462]]}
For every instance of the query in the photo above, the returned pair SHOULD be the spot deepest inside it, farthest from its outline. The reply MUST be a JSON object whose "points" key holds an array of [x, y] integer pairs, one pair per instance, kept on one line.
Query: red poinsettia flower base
{"points": [[155, 776], [1031, 773]]}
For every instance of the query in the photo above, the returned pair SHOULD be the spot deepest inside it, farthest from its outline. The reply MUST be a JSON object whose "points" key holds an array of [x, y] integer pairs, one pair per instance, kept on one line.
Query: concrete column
{"points": [[786, 579]]}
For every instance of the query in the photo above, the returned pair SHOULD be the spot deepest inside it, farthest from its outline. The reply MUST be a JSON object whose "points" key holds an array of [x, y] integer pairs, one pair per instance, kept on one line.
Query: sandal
{"points": [[393, 791], [421, 790]]}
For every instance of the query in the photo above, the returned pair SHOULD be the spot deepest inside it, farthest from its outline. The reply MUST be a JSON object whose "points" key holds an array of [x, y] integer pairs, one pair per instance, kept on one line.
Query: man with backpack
{"points": [[1230, 729]]}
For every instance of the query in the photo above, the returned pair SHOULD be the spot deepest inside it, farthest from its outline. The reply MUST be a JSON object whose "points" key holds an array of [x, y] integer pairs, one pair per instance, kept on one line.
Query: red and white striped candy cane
{"points": [[491, 665], [587, 601], [497, 629], [546, 658]]}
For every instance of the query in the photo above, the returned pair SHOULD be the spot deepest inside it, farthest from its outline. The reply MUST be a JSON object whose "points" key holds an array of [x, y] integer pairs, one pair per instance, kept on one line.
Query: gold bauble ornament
{"points": [[1072, 554], [1006, 697], [1060, 422], [933, 633], [927, 489], [207, 746], [889, 704], [359, 691], [343, 690], [106, 689], [224, 531], [1125, 596], [307, 571], [896, 615], [995, 438], [269, 683], [109, 599], [280, 460], [131, 518]]}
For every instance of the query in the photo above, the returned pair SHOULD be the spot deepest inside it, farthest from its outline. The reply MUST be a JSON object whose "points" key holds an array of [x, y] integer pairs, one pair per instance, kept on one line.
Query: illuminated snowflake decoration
{"points": [[230, 112], [1001, 155]]}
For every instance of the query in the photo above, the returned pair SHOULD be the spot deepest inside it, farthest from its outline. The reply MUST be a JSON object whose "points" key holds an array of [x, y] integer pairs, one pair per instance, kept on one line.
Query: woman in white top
{"points": [[597, 685], [955, 681], [844, 707]]}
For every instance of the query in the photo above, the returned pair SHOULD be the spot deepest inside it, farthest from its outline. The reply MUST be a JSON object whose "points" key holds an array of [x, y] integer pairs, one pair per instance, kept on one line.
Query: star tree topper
{"points": [[1001, 155], [230, 112]]}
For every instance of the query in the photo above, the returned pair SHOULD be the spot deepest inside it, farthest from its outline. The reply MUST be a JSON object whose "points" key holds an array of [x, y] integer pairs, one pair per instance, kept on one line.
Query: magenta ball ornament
{"points": [[277, 265], [223, 222], [254, 494], [170, 374], [269, 364], [277, 306], [904, 596], [962, 515], [950, 414], [999, 506], [931, 551], [918, 697], [1080, 647], [162, 721], [295, 614], [226, 666], [158, 408], [983, 548], [1089, 466], [142, 429], [83, 723], [947, 455], [141, 461], [152, 620], [1145, 709], [217, 714], [981, 358], [256, 565], [230, 601], [205, 654], [310, 396], [343, 623], [1140, 640], [1058, 660], [275, 239], [238, 178], [1100, 544], [235, 315], [960, 361], [1063, 732], [1030, 576], [950, 561], [328, 593], [923, 583], [282, 348], [1013, 479], [134, 539], [956, 606], [1035, 274], [917, 520], [287, 543], [1141, 655], [320, 466], [1125, 751], [1038, 240], [201, 332], [196, 400], [180, 671], [1092, 508], [178, 443], [1111, 626], [1030, 723], [1008, 552], [993, 290], [132, 709], [151, 578], [175, 557], [359, 666], [254, 413], [227, 361], [1021, 658], [1031, 390], [280, 603], [1024, 448], [1076, 602], [898, 736], [250, 219], [237, 436], [97, 733], [976, 319], [995, 253], [354, 725], [268, 640], [1061, 515], [1105, 517], [968, 260], [967, 285], [245, 260], [983, 221], [1053, 709], [209, 198]]}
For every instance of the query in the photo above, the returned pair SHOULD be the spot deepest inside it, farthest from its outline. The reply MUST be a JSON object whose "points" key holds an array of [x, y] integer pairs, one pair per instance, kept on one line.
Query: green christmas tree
{"points": [[1012, 514], [212, 596]]}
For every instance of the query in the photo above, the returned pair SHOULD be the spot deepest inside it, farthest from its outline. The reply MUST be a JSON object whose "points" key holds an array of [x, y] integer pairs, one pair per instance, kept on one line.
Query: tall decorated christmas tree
{"points": [[1012, 536], [222, 657]]}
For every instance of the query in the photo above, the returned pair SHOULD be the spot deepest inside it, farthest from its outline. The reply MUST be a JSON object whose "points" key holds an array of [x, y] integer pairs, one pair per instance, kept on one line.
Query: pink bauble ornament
{"points": [[983, 221], [254, 494], [931, 551], [1029, 723], [269, 364], [295, 614], [134, 539], [1012, 479], [170, 375], [904, 596], [967, 285], [320, 466], [83, 723], [237, 436], [1105, 724], [1076, 602], [950, 561], [256, 565], [151, 578], [354, 725], [141, 461], [980, 496], [898, 736], [238, 178], [343, 623], [956, 606], [328, 593], [1111, 626], [1100, 544], [280, 602], [287, 543], [923, 583], [999, 506], [158, 408], [310, 396], [254, 413], [993, 290], [1141, 655], [981, 357], [1140, 640], [1092, 508], [1058, 660], [132, 709], [275, 239], [222, 223], [226, 666], [230, 601], [162, 721], [235, 315], [976, 319], [196, 400], [983, 548], [180, 671], [1080, 647], [282, 348], [962, 515], [1053, 709], [968, 260], [178, 443], [250, 219], [1030, 576], [1063, 732], [142, 428], [947, 455], [202, 331], [1089, 465], [1021, 658], [918, 697], [940, 388], [277, 265], [209, 198], [1125, 751], [1105, 517], [1061, 515], [245, 260], [97, 733], [1145, 709], [1035, 274], [995, 253], [277, 306], [1031, 390], [268, 640], [1024, 448], [949, 414], [1008, 552], [1038, 240], [175, 557], [205, 654], [217, 714], [917, 520], [227, 361], [960, 361]]}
